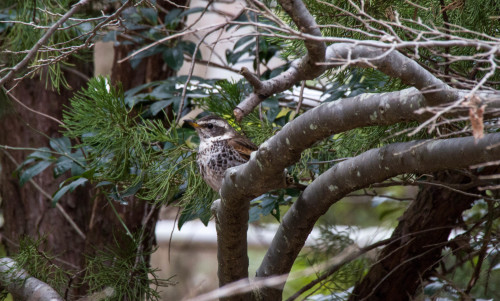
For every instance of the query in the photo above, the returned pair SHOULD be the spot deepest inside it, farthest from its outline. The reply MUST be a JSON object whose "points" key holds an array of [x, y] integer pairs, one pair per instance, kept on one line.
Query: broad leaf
{"points": [[42, 153], [61, 144], [193, 10], [173, 17], [70, 187], [174, 57], [156, 107], [63, 164], [33, 171]]}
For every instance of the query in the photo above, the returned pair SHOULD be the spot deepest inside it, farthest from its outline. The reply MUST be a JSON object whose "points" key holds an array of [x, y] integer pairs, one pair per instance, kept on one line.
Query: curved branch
{"points": [[373, 166], [304, 68], [394, 64], [23, 286], [265, 169]]}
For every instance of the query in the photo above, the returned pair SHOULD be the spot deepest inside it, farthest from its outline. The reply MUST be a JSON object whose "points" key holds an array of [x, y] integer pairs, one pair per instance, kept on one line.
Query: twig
{"points": [[301, 97], [30, 109], [335, 267], [191, 68]]}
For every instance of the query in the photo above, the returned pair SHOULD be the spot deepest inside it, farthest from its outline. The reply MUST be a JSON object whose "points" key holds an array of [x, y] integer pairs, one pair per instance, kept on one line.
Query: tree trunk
{"points": [[28, 212], [421, 235]]}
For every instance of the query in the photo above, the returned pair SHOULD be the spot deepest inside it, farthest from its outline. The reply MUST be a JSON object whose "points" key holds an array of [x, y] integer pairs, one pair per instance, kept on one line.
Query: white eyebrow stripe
{"points": [[218, 123], [218, 138]]}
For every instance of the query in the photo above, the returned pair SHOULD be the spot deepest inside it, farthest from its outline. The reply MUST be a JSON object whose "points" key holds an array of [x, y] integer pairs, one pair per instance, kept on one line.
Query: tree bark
{"points": [[419, 238], [25, 209], [373, 166], [28, 212]]}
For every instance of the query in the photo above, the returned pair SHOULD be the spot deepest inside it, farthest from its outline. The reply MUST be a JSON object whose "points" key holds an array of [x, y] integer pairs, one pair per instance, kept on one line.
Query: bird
{"points": [[221, 147]]}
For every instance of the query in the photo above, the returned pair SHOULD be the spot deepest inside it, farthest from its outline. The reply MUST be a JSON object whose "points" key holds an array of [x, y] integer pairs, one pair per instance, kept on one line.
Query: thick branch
{"points": [[373, 166], [302, 69], [23, 286], [394, 64], [264, 171], [232, 256]]}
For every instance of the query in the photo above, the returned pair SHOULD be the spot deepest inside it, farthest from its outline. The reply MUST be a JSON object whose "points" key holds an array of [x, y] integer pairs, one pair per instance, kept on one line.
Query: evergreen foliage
{"points": [[40, 264], [134, 155], [22, 35], [337, 19], [129, 143], [126, 271]]}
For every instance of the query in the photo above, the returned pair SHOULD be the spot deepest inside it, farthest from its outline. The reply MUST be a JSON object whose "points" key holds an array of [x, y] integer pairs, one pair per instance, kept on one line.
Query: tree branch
{"points": [[23, 286], [416, 251], [302, 69], [370, 167], [265, 169], [394, 64]]}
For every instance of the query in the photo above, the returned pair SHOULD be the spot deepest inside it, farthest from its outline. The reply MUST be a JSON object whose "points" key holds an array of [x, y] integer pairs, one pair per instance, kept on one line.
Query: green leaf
{"points": [[156, 107], [243, 17], [191, 11], [33, 171], [254, 214], [132, 189], [76, 169], [61, 144], [63, 164], [103, 183], [189, 47], [136, 60], [163, 92], [172, 18], [24, 163], [264, 205], [202, 213], [43, 153], [149, 14], [243, 41], [174, 57], [70, 187]]}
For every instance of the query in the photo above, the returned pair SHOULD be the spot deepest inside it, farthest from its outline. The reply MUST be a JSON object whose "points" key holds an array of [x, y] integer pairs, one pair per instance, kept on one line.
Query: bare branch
{"points": [[305, 68]]}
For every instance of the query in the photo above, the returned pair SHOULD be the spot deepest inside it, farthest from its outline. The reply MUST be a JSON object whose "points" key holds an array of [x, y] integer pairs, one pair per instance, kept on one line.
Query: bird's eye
{"points": [[210, 126]]}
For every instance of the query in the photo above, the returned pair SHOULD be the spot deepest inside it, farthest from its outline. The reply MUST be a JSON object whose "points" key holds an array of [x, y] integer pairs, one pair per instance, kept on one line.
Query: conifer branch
{"points": [[75, 8]]}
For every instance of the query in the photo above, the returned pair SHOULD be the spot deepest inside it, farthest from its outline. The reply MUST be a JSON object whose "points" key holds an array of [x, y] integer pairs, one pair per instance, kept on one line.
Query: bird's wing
{"points": [[243, 146]]}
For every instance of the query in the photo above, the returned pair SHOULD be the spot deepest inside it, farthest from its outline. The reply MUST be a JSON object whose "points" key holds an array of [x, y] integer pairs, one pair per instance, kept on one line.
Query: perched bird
{"points": [[221, 147]]}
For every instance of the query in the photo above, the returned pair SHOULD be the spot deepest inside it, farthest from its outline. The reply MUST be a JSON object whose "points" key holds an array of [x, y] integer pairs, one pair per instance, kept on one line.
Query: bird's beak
{"points": [[192, 123]]}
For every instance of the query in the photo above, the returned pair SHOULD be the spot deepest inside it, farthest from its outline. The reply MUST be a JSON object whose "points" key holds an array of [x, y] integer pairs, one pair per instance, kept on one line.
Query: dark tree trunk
{"points": [[27, 212], [422, 233]]}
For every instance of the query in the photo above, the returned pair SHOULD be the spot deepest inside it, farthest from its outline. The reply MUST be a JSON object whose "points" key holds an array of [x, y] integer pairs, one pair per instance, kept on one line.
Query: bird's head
{"points": [[212, 127]]}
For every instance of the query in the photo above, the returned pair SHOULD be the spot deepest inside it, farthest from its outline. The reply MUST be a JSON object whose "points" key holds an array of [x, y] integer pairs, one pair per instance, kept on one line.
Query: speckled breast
{"points": [[214, 158]]}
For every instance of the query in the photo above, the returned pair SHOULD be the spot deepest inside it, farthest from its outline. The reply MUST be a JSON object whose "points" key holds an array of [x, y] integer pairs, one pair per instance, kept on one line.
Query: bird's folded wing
{"points": [[243, 146]]}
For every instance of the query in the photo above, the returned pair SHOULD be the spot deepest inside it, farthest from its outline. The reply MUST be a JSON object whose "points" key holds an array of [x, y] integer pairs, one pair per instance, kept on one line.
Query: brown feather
{"points": [[243, 146]]}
